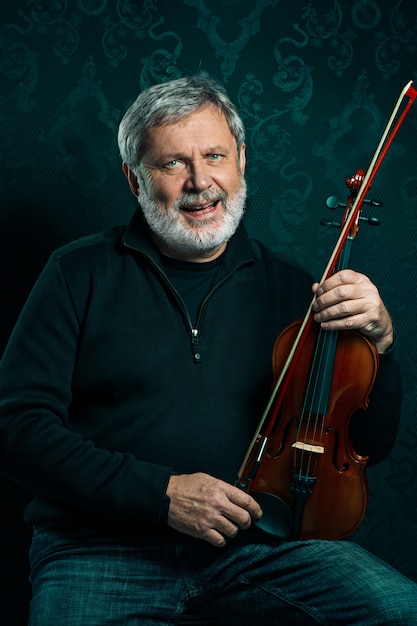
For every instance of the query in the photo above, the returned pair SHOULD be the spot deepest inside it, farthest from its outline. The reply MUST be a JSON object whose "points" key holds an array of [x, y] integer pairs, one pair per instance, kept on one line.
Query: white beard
{"points": [[201, 237]]}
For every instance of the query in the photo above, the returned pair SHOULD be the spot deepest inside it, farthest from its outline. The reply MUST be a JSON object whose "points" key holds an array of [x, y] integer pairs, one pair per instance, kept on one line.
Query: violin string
{"points": [[315, 405], [319, 392]]}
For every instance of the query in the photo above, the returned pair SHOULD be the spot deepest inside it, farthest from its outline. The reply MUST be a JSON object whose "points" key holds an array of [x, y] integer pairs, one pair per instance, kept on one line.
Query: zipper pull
{"points": [[194, 344]]}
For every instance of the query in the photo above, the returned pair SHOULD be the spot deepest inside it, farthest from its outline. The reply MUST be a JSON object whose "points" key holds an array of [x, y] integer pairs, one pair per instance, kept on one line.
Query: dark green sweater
{"points": [[107, 386]]}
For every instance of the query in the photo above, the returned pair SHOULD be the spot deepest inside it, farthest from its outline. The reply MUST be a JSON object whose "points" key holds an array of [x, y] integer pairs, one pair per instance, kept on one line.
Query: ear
{"points": [[132, 179], [242, 158]]}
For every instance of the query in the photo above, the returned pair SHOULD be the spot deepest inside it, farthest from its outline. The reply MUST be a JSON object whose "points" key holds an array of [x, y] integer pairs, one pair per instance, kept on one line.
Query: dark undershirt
{"points": [[192, 280]]}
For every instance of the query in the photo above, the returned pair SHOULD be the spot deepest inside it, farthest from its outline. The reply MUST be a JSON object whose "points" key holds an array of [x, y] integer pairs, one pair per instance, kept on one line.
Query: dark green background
{"points": [[315, 83]]}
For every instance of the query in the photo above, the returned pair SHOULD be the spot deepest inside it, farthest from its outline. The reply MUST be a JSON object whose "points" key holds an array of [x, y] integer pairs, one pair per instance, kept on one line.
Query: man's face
{"points": [[190, 185]]}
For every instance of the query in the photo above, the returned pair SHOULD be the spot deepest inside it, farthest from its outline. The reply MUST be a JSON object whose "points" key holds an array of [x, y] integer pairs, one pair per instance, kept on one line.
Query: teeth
{"points": [[200, 208]]}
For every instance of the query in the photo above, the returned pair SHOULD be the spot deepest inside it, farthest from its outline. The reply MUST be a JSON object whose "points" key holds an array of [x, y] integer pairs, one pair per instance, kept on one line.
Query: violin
{"points": [[301, 466]]}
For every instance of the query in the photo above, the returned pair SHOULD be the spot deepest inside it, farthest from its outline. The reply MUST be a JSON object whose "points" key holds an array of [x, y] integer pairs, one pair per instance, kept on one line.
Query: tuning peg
{"points": [[330, 223], [371, 221], [333, 203], [374, 202]]}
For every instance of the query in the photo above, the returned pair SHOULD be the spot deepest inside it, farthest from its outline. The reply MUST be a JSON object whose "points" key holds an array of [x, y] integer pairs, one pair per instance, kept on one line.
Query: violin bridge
{"points": [[308, 447]]}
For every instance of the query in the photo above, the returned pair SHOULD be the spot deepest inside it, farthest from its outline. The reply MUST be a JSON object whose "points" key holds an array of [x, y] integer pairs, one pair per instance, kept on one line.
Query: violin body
{"points": [[311, 482]]}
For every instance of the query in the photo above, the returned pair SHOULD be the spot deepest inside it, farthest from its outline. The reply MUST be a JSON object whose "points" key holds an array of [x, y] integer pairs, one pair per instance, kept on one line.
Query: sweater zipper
{"points": [[194, 344], [194, 330]]}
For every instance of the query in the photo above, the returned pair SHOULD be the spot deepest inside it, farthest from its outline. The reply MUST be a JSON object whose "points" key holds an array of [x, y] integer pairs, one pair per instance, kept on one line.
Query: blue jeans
{"points": [[82, 579]]}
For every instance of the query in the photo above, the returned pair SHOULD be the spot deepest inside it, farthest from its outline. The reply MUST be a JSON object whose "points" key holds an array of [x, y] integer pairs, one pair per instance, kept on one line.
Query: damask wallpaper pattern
{"points": [[315, 82]]}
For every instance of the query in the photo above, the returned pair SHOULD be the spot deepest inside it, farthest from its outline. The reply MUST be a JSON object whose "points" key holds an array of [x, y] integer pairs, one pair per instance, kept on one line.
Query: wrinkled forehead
{"points": [[206, 126]]}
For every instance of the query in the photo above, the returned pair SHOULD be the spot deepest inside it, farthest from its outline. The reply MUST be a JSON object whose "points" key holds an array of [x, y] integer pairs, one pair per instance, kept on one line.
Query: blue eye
{"points": [[174, 166]]}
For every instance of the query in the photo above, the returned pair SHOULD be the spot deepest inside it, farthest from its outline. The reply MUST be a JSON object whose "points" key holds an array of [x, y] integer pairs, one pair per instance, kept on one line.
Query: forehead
{"points": [[202, 128]]}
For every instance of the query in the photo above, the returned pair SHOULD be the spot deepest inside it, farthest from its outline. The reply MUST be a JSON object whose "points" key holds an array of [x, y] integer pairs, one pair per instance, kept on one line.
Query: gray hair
{"points": [[167, 103]]}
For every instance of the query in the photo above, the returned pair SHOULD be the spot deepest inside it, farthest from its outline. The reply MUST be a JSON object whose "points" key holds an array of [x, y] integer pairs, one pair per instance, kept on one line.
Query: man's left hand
{"points": [[348, 300]]}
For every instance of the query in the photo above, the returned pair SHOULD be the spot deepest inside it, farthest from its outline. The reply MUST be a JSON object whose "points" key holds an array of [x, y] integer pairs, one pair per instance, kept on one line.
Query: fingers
{"points": [[235, 513], [349, 300], [208, 508], [349, 297], [230, 510]]}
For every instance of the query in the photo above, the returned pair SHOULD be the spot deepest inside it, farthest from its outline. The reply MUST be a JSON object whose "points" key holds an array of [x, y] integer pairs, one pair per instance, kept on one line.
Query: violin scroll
{"points": [[354, 183]]}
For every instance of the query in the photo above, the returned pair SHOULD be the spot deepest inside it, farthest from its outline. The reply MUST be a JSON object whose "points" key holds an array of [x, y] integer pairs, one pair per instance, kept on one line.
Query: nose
{"points": [[198, 176]]}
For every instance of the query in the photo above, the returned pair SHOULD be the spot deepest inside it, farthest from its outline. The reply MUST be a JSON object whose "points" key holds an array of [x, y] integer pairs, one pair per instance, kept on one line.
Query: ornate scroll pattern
{"points": [[330, 23], [400, 42], [161, 64], [84, 133], [51, 18], [138, 18], [131, 16], [18, 69], [293, 76], [323, 24], [215, 16], [353, 132], [269, 142], [58, 22], [270, 137]]}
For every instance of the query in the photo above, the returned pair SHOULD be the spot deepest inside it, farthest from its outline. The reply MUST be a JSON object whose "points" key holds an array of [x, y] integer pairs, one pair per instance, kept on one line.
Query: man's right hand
{"points": [[209, 508]]}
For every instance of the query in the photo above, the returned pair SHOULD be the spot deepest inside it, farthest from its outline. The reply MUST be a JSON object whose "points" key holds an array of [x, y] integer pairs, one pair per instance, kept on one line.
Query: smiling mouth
{"points": [[201, 209]]}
